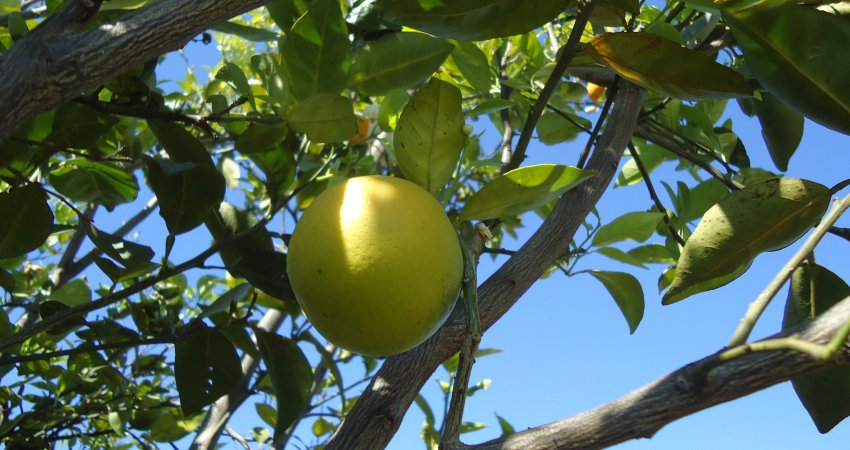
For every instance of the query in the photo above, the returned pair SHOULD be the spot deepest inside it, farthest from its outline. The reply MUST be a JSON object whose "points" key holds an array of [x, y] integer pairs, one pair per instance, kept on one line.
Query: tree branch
{"points": [[685, 391], [378, 413], [60, 59]]}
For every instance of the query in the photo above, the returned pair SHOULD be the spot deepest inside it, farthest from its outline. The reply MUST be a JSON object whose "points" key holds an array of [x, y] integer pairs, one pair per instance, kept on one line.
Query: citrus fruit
{"points": [[375, 264], [595, 91]]}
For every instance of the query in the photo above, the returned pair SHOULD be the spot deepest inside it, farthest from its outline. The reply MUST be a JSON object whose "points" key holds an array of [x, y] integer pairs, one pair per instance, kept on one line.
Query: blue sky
{"points": [[565, 347]]}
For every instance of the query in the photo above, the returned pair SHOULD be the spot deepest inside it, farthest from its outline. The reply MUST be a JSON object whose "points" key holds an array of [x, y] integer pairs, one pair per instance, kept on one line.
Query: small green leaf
{"points": [[825, 393], [618, 255], [627, 292], [324, 118], [429, 137], [473, 64], [267, 413], [284, 13], [554, 128], [74, 293], [781, 128], [245, 32], [316, 54], [505, 426], [426, 409], [762, 217], [322, 427], [468, 427], [173, 425], [88, 181], [279, 169], [650, 155], [397, 61], [206, 367], [135, 258], [474, 20], [27, 220], [223, 303], [799, 54], [490, 106], [290, 375], [391, 107], [260, 137], [233, 75], [271, 73], [522, 190], [666, 67], [637, 226], [652, 254]]}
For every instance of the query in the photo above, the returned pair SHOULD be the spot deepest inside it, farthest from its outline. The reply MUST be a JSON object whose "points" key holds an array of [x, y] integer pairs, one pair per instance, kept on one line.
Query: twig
{"points": [[505, 93], [654, 195], [757, 307], [6, 360], [147, 113], [471, 247], [237, 437], [572, 47], [840, 232], [59, 275], [582, 159]]}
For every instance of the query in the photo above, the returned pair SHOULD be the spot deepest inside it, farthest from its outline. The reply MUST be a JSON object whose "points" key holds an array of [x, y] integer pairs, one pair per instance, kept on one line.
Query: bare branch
{"points": [[689, 389], [61, 59]]}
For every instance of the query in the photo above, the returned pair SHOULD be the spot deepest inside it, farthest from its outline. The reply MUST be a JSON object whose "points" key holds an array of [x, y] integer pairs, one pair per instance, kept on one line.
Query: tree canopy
{"points": [[111, 337]]}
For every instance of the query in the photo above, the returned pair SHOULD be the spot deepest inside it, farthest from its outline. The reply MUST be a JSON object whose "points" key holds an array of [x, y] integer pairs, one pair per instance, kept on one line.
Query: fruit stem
{"points": [[471, 247]]}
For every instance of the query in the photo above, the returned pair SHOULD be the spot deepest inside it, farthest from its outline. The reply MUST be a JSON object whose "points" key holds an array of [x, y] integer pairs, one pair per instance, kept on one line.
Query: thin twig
{"points": [[654, 195], [585, 153], [757, 307], [572, 47]]}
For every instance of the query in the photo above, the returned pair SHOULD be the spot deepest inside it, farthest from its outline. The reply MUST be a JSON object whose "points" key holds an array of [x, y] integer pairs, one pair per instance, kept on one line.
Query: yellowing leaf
{"points": [[763, 217], [521, 190], [666, 67]]}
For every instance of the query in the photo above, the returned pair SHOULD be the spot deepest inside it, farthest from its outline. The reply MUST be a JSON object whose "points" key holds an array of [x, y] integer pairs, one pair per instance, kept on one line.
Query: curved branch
{"points": [[692, 388], [378, 413], [60, 60]]}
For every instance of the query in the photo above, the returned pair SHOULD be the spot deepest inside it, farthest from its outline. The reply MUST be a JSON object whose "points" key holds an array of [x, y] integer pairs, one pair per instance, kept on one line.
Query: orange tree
{"points": [[310, 91]]}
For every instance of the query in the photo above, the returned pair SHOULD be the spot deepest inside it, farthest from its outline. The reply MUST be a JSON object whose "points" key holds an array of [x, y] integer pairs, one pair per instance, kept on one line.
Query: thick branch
{"points": [[692, 388], [378, 413], [57, 62]]}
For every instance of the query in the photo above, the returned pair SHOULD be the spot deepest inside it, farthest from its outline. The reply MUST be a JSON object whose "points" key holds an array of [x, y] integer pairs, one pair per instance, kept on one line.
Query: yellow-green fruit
{"points": [[375, 264]]}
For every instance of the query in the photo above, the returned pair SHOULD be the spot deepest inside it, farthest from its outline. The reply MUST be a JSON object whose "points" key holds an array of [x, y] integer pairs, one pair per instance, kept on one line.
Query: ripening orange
{"points": [[595, 91]]}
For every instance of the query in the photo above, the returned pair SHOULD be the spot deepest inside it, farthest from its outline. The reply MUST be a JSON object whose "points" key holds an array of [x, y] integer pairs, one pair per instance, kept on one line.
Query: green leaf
{"points": [[271, 73], [652, 254], [245, 32], [74, 293], [206, 367], [695, 202], [78, 126], [260, 137], [554, 128], [232, 74], [279, 169], [825, 393], [637, 226], [316, 54], [324, 117], [135, 258], [429, 137], [627, 292], [322, 427], [781, 128], [618, 255], [290, 374], [473, 65], [650, 155], [490, 106], [187, 185], [397, 61], [666, 67], [173, 425], [27, 220], [88, 181], [284, 13], [252, 256], [505, 426], [391, 107], [474, 20], [522, 190], [267, 413], [799, 54], [223, 303], [762, 217], [426, 409]]}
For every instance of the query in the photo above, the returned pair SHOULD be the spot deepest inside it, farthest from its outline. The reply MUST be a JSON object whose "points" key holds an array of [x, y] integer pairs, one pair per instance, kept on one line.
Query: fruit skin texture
{"points": [[375, 264]]}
